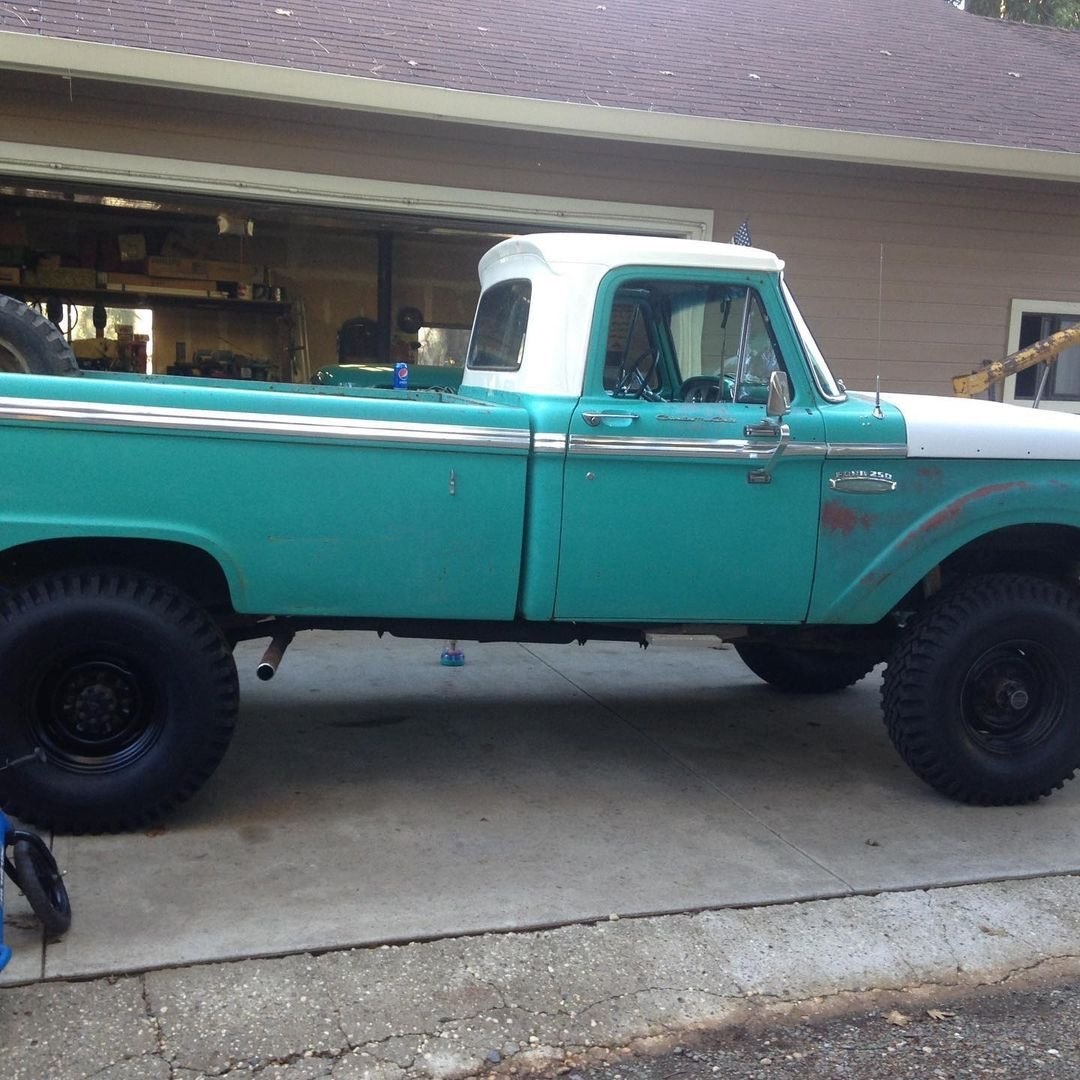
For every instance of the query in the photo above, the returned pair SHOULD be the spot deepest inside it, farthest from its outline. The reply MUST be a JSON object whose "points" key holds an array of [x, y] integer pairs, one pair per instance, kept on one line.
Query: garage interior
{"points": [[188, 285]]}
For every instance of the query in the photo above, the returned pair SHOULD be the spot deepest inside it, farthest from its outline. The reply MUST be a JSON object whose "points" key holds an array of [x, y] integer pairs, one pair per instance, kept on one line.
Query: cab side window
{"points": [[632, 356], [692, 341]]}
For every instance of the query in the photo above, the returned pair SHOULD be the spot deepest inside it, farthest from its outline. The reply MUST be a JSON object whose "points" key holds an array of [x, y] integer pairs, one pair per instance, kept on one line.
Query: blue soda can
{"points": [[401, 376]]}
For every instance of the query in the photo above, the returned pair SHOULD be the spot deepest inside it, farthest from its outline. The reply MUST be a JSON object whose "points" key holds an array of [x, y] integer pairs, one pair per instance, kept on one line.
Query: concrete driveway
{"points": [[373, 796]]}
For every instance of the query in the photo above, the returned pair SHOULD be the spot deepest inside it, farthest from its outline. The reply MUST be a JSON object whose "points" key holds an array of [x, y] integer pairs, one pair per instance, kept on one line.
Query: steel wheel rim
{"points": [[1013, 697], [94, 713], [11, 359]]}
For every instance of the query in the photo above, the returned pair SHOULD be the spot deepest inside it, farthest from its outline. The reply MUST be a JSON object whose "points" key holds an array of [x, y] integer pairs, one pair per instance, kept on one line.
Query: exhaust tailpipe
{"points": [[268, 665]]}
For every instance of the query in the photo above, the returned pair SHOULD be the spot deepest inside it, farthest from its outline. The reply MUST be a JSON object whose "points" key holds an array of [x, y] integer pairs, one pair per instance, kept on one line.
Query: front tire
{"points": [[803, 671], [982, 699], [126, 686]]}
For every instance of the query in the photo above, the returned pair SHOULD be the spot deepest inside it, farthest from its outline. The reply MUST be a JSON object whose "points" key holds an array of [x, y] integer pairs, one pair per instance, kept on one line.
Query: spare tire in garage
{"points": [[30, 343]]}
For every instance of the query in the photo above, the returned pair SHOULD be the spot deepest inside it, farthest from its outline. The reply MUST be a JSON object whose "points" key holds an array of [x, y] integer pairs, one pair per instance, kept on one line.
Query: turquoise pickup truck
{"points": [[646, 439]]}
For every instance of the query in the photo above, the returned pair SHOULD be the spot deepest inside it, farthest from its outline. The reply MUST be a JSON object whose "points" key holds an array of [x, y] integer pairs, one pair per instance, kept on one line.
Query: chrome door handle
{"points": [[783, 433], [764, 429], [617, 419]]}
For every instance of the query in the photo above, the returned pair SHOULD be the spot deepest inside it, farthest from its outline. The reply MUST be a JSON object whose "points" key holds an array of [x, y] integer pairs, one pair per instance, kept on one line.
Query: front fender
{"points": [[873, 549]]}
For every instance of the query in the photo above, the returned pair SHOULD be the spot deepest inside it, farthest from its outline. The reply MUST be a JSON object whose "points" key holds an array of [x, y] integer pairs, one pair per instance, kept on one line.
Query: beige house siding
{"points": [[903, 272]]}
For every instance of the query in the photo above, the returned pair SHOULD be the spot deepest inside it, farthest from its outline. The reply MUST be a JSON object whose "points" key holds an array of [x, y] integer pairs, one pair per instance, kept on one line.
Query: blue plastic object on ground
{"points": [[33, 869], [5, 951], [452, 656]]}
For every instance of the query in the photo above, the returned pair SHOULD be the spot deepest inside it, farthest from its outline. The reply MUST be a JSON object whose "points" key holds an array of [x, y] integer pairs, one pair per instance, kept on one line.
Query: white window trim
{"points": [[147, 173], [1017, 310]]}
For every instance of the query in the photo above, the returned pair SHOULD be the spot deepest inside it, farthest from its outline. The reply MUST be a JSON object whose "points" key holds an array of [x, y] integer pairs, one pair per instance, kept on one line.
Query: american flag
{"points": [[742, 235]]}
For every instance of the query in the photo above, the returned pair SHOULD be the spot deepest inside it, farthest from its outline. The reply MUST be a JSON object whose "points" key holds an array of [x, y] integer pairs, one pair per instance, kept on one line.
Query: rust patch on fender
{"points": [[837, 518], [928, 478], [948, 514]]}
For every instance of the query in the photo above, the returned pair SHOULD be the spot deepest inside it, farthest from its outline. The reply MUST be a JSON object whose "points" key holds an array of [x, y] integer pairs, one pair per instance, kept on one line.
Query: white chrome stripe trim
{"points": [[737, 449], [545, 442], [726, 448], [867, 450], [241, 423]]}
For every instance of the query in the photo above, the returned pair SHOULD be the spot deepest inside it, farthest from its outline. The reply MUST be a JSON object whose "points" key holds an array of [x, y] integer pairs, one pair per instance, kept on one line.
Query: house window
{"points": [[1031, 321]]}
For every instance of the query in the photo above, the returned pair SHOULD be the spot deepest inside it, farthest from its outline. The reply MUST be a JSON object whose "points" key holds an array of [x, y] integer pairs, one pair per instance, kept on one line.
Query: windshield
{"points": [[826, 383]]}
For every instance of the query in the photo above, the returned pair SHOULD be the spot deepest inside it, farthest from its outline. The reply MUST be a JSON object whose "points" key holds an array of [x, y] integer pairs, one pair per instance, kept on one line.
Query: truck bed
{"points": [[314, 500]]}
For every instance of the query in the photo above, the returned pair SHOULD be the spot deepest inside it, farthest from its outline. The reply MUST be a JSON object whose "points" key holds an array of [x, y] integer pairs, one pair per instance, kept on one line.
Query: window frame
{"points": [[474, 336], [1017, 310], [617, 278]]}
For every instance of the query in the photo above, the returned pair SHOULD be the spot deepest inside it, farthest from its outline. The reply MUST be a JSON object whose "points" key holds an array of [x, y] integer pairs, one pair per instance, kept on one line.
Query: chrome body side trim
{"points": [[750, 449], [546, 442], [737, 449], [867, 450], [288, 425]]}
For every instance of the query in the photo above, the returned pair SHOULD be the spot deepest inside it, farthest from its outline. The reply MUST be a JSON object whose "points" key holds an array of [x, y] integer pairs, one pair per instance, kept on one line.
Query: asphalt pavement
{"points": [[1013, 1033], [550, 857]]}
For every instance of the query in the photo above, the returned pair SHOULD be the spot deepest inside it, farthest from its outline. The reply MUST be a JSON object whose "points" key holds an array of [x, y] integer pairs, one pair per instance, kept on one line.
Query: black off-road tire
{"points": [[803, 671], [982, 698], [126, 685], [30, 343], [40, 881]]}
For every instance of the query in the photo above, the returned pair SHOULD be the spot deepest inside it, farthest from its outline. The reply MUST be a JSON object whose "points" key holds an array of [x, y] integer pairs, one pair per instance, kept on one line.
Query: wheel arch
{"points": [[191, 569], [914, 566]]}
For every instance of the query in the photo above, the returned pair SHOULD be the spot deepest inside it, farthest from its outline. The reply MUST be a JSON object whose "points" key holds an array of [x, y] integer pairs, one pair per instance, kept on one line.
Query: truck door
{"points": [[679, 504]]}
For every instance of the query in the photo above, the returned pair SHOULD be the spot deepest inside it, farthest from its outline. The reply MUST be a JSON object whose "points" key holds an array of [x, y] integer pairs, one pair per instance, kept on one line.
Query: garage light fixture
{"points": [[230, 225]]}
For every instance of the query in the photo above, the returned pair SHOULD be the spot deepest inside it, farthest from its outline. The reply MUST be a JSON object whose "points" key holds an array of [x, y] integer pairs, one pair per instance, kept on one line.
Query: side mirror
{"points": [[779, 401]]}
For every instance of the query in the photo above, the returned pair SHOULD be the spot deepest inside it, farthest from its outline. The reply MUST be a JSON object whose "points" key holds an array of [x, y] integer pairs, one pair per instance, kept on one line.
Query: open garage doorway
{"points": [[257, 273]]}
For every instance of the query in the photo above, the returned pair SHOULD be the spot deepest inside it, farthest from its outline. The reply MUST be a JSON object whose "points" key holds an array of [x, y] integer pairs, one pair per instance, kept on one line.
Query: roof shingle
{"points": [[921, 69]]}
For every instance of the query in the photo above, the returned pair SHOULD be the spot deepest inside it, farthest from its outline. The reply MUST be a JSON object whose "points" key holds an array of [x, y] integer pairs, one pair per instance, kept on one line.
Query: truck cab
{"points": [[646, 366]]}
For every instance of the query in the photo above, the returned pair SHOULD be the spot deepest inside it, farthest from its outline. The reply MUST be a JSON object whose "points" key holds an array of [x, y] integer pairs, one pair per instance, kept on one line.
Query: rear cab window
{"points": [[502, 318]]}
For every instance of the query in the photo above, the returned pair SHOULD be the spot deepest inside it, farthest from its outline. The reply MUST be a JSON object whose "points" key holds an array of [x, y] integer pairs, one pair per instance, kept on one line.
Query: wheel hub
{"points": [[92, 714], [97, 700], [1012, 697]]}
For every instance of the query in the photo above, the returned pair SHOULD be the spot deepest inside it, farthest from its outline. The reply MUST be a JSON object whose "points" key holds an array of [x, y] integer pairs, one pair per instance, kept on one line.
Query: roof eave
{"points": [[115, 63]]}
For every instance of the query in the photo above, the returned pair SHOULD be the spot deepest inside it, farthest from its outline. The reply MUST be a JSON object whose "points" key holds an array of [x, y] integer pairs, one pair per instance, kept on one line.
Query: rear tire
{"points": [[126, 686], [30, 343], [982, 699], [803, 671], [40, 880]]}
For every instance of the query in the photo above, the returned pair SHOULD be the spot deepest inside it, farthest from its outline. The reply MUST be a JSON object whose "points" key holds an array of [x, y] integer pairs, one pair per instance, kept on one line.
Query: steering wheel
{"points": [[703, 388], [634, 381]]}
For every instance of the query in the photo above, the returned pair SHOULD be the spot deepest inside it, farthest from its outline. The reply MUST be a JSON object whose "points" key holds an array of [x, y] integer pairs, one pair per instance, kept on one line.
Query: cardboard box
{"points": [[230, 271], [134, 282], [207, 269], [166, 266], [62, 277], [132, 247], [10, 275]]}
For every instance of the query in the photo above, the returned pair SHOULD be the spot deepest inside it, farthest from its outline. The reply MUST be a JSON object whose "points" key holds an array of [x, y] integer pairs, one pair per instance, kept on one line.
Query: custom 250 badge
{"points": [[863, 482]]}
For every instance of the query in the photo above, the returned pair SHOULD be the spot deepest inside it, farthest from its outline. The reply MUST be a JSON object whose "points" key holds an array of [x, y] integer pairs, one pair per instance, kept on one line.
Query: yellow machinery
{"points": [[1042, 352]]}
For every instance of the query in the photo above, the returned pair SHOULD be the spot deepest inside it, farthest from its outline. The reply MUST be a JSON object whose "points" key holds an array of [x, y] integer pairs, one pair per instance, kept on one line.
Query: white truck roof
{"points": [[609, 250], [565, 270]]}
